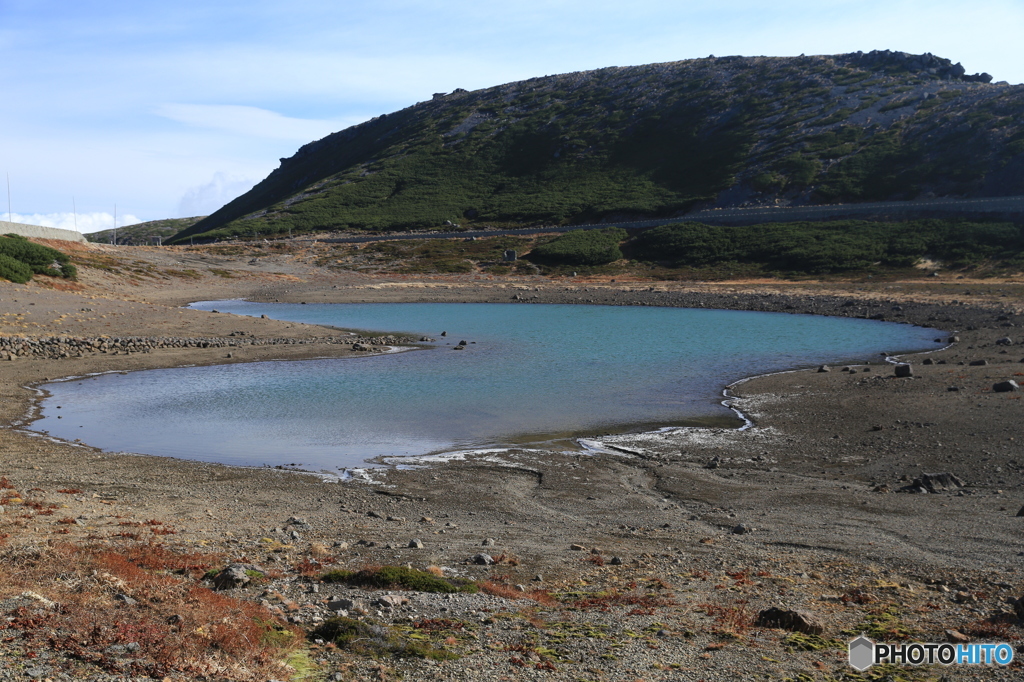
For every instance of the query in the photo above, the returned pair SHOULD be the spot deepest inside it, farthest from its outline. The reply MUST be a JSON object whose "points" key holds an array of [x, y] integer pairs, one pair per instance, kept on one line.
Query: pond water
{"points": [[531, 373]]}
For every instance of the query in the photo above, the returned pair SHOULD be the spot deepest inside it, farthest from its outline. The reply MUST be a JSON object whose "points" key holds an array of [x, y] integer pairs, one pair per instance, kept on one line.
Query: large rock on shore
{"points": [[797, 621]]}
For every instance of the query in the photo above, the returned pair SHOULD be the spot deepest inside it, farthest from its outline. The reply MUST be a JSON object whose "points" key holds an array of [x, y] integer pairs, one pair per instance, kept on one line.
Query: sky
{"points": [[172, 109]]}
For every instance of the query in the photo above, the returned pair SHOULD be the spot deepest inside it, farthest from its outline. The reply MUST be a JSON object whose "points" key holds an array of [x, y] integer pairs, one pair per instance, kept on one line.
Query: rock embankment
{"points": [[56, 347]]}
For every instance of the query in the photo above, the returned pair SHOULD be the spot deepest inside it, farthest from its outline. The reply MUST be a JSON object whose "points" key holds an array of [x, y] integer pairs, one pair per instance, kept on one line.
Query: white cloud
{"points": [[249, 121], [206, 198], [85, 223]]}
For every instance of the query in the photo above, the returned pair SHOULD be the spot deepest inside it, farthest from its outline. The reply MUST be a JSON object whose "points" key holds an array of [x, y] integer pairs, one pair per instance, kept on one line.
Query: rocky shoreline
{"points": [[648, 557], [56, 347]]}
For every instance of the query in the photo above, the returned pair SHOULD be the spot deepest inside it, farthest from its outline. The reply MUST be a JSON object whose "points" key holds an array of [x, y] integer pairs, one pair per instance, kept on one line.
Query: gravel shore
{"points": [[707, 526]]}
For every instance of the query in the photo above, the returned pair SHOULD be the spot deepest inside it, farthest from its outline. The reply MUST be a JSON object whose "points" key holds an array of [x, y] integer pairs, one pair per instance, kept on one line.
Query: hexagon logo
{"points": [[862, 653]]}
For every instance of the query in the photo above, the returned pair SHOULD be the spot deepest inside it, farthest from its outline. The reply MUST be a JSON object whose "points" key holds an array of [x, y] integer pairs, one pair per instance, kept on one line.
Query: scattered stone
{"points": [[374, 515], [796, 621], [824, 368], [538, 578], [1005, 341], [741, 529], [978, 363], [713, 463], [482, 559], [927, 361], [953, 339], [904, 370], [397, 519], [343, 605], [933, 483], [489, 542], [1006, 386], [616, 561], [391, 601], [125, 599], [577, 548], [956, 637], [1021, 512], [416, 543], [426, 519]]}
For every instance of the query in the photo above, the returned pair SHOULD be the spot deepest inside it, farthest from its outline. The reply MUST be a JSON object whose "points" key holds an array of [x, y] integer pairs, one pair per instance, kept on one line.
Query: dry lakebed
{"points": [[861, 500]]}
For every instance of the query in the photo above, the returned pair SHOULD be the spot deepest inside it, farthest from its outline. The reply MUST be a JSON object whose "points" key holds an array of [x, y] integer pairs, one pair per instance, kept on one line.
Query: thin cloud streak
{"points": [[85, 223]]}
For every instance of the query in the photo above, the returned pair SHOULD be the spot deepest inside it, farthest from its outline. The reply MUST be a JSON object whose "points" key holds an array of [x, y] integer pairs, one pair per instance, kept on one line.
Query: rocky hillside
{"points": [[652, 141], [144, 233]]}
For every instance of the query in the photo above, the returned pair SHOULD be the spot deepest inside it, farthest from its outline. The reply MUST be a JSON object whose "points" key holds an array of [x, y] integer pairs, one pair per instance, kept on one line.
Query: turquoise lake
{"points": [[535, 373]]}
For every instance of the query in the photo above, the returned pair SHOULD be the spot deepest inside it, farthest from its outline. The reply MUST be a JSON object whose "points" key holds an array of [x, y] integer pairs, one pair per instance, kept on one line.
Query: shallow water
{"points": [[534, 372]]}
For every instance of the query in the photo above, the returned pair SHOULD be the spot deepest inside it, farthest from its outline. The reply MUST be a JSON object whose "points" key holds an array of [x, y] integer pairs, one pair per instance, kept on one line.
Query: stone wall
{"points": [[41, 232]]}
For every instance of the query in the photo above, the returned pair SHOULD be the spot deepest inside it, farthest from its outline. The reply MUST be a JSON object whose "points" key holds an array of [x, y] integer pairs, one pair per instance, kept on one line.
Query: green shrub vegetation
{"points": [[398, 577], [582, 247], [377, 641], [830, 247], [38, 259], [14, 270]]}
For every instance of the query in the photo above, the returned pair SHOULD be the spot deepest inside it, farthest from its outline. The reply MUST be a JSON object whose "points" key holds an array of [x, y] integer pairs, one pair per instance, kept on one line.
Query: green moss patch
{"points": [[399, 578], [377, 641]]}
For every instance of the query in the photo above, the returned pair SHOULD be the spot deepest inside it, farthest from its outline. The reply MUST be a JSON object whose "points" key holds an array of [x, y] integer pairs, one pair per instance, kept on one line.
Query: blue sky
{"points": [[170, 109]]}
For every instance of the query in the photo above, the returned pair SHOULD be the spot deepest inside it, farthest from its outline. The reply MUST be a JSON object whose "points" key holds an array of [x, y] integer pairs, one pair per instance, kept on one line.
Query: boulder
{"points": [[978, 363], [904, 370], [391, 601], [796, 621], [1005, 341], [231, 577], [482, 559], [933, 483], [1006, 386], [416, 543]]}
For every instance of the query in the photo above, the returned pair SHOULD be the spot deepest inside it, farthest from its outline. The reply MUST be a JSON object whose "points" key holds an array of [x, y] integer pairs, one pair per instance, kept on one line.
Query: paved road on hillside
{"points": [[749, 215]]}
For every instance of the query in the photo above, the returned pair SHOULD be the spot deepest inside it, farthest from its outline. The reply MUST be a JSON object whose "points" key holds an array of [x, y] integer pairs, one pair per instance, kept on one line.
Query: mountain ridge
{"points": [[652, 141]]}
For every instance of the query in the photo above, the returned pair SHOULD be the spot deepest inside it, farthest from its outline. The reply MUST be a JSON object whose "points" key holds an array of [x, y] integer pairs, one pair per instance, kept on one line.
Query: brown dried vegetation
{"points": [[138, 609]]}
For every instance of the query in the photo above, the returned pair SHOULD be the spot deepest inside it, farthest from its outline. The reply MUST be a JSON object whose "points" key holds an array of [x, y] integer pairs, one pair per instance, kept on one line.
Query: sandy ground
{"points": [[812, 481]]}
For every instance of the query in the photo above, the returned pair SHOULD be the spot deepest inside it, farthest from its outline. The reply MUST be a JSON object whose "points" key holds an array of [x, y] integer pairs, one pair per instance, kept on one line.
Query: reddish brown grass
{"points": [[605, 601], [181, 628], [729, 620], [499, 590]]}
